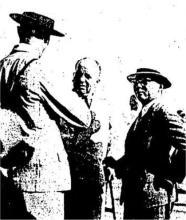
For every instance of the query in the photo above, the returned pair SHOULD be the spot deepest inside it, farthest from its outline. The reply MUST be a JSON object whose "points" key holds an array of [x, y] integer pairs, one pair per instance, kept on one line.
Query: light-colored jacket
{"points": [[27, 92]]}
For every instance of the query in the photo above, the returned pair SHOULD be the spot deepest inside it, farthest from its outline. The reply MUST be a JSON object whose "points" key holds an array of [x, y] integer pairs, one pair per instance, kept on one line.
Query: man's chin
{"points": [[142, 98], [83, 94]]}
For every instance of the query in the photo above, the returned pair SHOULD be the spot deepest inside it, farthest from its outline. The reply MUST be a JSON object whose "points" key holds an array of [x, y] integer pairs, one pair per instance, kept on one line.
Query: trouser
{"points": [[12, 201], [83, 202], [45, 205], [144, 199]]}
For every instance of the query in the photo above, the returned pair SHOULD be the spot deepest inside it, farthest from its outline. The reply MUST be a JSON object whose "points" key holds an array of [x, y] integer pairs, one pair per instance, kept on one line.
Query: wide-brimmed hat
{"points": [[38, 21], [150, 73]]}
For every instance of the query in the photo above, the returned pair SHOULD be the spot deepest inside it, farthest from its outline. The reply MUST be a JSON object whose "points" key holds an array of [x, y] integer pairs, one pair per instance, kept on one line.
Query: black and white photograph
{"points": [[93, 109]]}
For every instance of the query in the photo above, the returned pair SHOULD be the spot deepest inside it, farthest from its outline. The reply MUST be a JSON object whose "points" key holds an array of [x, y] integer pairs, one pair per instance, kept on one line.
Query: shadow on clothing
{"points": [[12, 201], [83, 202]]}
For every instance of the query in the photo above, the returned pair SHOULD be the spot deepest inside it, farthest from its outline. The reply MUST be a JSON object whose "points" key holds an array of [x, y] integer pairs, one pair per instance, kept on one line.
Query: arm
{"points": [[54, 93], [67, 105], [177, 130], [177, 135], [118, 165]]}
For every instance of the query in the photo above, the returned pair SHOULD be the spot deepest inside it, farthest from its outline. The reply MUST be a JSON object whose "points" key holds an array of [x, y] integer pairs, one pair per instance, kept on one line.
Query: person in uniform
{"points": [[87, 147]]}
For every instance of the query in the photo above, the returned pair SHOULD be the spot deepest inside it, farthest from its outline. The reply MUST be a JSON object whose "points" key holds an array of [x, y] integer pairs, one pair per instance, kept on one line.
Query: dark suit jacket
{"points": [[147, 148]]}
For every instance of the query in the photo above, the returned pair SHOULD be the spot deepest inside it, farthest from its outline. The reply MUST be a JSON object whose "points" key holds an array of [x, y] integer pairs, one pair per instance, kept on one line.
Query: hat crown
{"points": [[147, 70], [150, 73], [35, 19]]}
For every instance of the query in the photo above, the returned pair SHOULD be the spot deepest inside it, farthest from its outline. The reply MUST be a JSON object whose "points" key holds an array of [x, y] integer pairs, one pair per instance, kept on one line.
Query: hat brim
{"points": [[19, 18], [156, 77]]}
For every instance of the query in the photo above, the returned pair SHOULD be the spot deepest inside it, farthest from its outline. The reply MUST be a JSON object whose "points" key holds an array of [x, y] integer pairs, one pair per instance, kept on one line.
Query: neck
{"points": [[146, 102], [88, 101]]}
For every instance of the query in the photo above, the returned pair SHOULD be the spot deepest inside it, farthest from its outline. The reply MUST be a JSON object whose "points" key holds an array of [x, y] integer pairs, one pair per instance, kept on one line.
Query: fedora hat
{"points": [[150, 73], [37, 21]]}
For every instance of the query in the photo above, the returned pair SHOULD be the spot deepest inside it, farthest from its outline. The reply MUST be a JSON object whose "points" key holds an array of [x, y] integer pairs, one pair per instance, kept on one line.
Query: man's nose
{"points": [[139, 85], [82, 78]]}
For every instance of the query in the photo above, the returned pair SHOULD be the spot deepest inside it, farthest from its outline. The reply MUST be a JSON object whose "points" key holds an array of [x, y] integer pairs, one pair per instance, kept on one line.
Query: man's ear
{"points": [[74, 73]]}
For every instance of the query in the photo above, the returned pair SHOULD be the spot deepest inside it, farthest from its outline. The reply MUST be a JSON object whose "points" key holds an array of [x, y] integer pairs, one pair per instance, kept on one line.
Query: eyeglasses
{"points": [[143, 81]]}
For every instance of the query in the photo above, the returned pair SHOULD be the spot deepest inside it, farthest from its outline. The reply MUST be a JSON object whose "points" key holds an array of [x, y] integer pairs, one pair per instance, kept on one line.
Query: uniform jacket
{"points": [[27, 92], [87, 148], [147, 153]]}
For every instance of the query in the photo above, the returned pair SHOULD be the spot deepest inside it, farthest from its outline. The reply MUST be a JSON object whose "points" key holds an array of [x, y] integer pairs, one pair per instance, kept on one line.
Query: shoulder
{"points": [[16, 62], [166, 113], [32, 66], [170, 114], [31, 71], [165, 107]]}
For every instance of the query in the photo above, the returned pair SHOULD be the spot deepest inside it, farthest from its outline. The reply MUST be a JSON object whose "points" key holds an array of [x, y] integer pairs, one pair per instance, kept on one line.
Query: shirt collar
{"points": [[146, 107], [22, 47]]}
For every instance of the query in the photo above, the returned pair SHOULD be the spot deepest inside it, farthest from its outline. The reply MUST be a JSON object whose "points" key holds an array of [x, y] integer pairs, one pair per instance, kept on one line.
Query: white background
{"points": [[122, 35]]}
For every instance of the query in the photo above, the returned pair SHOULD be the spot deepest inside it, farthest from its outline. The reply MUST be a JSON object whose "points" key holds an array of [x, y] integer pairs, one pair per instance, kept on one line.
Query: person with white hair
{"points": [[87, 147]]}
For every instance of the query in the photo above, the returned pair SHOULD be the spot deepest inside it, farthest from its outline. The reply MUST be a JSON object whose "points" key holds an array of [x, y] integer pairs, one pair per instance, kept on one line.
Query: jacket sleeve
{"points": [[51, 90], [177, 135], [65, 103], [121, 167], [176, 129]]}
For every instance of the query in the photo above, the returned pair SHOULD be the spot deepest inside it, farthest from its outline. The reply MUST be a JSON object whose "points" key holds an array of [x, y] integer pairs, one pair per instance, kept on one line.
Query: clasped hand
{"points": [[110, 162]]}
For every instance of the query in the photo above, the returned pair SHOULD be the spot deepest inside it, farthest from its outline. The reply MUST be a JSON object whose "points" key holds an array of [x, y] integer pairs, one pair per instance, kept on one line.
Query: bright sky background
{"points": [[122, 35]]}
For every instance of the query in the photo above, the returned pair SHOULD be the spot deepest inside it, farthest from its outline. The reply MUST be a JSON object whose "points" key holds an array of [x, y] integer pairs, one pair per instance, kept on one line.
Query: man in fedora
{"points": [[147, 169], [26, 91]]}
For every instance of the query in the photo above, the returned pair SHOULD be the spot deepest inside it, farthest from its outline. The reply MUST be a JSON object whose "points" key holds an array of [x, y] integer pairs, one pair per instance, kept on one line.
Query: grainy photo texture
{"points": [[92, 109]]}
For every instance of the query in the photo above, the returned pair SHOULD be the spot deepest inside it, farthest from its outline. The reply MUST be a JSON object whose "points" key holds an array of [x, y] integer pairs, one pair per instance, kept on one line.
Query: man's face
{"points": [[146, 89], [85, 78]]}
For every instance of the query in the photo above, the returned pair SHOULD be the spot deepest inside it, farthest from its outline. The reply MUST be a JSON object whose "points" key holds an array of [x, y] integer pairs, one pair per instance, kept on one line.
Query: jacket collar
{"points": [[27, 48], [145, 108]]}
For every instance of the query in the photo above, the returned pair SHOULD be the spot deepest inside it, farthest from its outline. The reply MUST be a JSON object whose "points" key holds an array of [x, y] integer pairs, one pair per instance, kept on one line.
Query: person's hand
{"points": [[109, 162], [109, 173], [163, 183], [18, 155]]}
